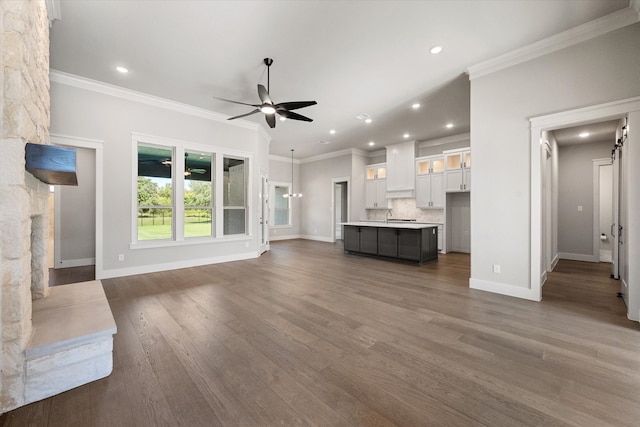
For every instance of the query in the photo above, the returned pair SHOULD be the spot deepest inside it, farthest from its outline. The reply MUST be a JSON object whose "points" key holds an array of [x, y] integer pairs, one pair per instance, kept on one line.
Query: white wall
{"points": [[593, 72], [86, 109], [317, 187]]}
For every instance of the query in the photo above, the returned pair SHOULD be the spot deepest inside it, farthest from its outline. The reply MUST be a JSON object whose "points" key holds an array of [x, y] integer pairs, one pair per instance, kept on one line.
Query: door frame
{"points": [[265, 213], [591, 114], [335, 181], [98, 146]]}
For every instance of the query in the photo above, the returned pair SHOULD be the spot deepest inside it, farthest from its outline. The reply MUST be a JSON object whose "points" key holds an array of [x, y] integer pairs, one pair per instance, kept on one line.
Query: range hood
{"points": [[51, 164], [401, 167]]}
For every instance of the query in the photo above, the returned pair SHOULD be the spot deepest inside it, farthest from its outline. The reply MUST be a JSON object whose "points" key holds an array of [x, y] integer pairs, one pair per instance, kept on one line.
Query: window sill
{"points": [[149, 244], [281, 226]]}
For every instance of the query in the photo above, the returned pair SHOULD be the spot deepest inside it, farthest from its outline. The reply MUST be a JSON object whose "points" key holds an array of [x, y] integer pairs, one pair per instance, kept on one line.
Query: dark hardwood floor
{"points": [[307, 335]]}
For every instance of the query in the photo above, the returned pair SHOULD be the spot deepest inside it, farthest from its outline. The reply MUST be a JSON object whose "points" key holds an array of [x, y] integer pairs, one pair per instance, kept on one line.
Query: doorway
{"points": [[628, 108], [78, 214], [340, 206]]}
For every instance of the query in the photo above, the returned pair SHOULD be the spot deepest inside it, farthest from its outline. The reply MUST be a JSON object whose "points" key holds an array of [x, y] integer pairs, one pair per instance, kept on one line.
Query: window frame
{"points": [[178, 183], [272, 205]]}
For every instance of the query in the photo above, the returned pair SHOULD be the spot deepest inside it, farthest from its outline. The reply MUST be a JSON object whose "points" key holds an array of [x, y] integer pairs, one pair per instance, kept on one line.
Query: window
{"points": [[235, 196], [281, 205], [198, 192], [155, 193], [188, 192]]}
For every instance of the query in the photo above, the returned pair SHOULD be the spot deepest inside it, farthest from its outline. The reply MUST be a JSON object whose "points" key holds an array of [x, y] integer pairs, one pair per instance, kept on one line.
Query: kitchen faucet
{"points": [[386, 217]]}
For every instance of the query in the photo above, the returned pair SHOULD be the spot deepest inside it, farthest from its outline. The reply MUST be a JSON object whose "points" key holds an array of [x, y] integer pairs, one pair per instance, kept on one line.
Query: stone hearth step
{"points": [[72, 340]]}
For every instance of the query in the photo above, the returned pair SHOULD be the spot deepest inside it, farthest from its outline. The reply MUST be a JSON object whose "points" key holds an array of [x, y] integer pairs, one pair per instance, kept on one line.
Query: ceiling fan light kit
{"points": [[268, 108]]}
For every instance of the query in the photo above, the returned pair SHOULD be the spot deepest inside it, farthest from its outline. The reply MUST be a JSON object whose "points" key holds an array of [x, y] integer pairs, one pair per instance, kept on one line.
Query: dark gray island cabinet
{"points": [[406, 241]]}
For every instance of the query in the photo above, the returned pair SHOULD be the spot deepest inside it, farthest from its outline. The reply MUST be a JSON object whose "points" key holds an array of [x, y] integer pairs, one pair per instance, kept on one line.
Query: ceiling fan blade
{"points": [[295, 105], [293, 116], [235, 102], [257, 110], [264, 95], [271, 120]]}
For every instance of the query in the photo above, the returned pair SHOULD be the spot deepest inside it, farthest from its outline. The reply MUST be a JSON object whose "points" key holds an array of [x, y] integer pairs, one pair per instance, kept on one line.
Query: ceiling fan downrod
{"points": [[268, 62]]}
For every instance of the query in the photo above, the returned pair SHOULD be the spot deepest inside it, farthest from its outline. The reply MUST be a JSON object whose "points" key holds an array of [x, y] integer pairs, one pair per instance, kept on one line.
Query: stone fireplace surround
{"points": [[52, 339]]}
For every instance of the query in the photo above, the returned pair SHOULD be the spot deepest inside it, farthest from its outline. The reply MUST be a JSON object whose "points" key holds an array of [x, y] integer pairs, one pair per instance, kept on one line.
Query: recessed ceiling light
{"points": [[367, 120], [122, 70], [406, 135], [436, 49], [449, 125], [584, 134], [415, 106], [371, 143], [332, 131]]}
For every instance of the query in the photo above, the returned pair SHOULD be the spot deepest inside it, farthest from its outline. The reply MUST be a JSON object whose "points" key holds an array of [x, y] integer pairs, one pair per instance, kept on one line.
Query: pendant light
{"points": [[291, 193]]}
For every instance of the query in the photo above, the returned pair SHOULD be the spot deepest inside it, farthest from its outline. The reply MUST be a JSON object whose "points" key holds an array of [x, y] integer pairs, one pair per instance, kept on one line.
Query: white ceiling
{"points": [[352, 57], [598, 132]]}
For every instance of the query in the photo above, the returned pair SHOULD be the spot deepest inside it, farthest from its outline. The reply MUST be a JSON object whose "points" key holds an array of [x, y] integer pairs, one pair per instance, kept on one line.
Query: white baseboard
{"points": [[68, 263], [143, 269], [543, 278], [577, 257], [554, 262], [288, 237], [504, 289], [318, 238]]}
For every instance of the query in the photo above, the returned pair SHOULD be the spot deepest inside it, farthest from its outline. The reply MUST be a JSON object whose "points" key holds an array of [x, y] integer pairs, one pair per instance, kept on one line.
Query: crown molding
{"points": [[283, 159], [154, 101], [589, 30], [345, 152], [445, 140]]}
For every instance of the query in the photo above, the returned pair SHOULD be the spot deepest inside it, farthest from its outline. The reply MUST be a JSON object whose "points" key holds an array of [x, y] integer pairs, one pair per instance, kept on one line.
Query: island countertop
{"points": [[403, 224]]}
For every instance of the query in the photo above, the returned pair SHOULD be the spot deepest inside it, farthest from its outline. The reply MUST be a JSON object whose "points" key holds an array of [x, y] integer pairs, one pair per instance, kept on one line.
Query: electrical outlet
{"points": [[121, 257], [496, 268], [579, 208]]}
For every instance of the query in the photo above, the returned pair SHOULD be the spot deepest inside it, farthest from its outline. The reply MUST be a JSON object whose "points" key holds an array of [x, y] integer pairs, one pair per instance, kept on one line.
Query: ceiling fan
{"points": [[270, 109]]}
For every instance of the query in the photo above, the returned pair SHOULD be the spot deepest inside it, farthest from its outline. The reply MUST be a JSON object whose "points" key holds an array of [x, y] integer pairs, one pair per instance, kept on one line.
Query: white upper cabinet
{"points": [[375, 190], [430, 182], [457, 173]]}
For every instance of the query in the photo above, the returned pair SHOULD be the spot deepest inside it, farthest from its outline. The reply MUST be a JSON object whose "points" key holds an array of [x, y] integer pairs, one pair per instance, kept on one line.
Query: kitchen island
{"points": [[400, 240]]}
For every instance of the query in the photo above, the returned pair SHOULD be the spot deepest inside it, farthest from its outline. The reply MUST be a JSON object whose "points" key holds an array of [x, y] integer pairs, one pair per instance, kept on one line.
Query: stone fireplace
{"points": [[38, 357]]}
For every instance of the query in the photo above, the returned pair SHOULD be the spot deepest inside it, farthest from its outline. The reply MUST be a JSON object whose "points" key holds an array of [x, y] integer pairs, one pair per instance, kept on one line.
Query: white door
{"points": [[615, 231]]}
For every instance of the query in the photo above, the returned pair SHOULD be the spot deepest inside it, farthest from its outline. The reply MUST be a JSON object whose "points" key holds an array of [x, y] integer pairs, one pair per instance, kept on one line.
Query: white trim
{"points": [[501, 288], [153, 268], [577, 257], [606, 255], [317, 238], [143, 98], [382, 152], [590, 114], [335, 181], [68, 263], [554, 262], [446, 140], [345, 152], [283, 159], [288, 237], [570, 37], [543, 278], [98, 146]]}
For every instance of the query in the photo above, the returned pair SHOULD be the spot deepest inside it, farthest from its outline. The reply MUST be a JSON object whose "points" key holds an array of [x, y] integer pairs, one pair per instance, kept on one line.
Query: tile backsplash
{"points": [[406, 209]]}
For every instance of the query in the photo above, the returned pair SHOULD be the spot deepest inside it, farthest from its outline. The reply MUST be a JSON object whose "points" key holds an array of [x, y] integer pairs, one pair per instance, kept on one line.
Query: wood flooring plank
{"points": [[308, 335]]}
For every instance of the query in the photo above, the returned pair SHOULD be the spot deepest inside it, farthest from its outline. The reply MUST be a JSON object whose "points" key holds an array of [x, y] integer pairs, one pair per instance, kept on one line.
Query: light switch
{"points": [[579, 208]]}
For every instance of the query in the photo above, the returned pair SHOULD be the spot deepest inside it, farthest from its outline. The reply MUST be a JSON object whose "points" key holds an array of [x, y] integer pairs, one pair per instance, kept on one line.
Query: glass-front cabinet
{"points": [[376, 186], [457, 170], [430, 182]]}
